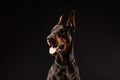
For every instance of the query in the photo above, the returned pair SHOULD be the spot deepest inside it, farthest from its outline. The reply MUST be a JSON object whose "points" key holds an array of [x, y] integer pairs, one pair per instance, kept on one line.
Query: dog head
{"points": [[61, 35]]}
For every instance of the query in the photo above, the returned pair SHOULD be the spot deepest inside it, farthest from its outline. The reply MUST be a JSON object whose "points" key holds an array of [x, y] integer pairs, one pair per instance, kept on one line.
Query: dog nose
{"points": [[51, 39]]}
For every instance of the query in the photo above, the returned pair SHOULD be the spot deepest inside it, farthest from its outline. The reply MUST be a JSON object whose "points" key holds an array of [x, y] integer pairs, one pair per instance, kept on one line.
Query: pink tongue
{"points": [[52, 50]]}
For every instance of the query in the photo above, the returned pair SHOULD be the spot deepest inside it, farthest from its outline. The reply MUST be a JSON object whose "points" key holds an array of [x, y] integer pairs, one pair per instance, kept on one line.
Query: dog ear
{"points": [[71, 21], [60, 19]]}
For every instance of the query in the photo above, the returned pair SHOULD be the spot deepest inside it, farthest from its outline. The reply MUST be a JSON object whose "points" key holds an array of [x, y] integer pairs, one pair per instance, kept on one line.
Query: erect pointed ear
{"points": [[71, 21], [60, 19]]}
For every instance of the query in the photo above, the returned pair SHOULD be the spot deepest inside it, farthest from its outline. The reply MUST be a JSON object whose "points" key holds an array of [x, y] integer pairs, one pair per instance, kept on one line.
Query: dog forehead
{"points": [[57, 28]]}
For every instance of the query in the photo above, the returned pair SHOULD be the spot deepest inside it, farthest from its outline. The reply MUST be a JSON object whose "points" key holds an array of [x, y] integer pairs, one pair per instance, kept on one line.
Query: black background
{"points": [[24, 26]]}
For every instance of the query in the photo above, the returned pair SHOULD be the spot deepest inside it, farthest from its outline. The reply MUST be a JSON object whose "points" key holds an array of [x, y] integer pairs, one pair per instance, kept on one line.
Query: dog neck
{"points": [[67, 58]]}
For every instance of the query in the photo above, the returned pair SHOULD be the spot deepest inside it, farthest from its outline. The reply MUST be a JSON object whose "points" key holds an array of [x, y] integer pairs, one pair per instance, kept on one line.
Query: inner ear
{"points": [[60, 19], [71, 21]]}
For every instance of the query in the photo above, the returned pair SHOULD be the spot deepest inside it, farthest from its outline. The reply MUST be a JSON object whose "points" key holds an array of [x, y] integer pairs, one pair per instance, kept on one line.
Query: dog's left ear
{"points": [[60, 19], [71, 21]]}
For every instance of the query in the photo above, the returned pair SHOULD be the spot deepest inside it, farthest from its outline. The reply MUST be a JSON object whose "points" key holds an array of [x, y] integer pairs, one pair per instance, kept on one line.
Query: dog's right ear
{"points": [[71, 21]]}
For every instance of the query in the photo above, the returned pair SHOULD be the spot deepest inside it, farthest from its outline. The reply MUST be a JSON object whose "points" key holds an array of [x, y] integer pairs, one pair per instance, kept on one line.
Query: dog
{"points": [[61, 42]]}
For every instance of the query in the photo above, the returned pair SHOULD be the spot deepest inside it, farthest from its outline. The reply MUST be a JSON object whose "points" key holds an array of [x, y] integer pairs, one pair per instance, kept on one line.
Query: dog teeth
{"points": [[59, 50]]}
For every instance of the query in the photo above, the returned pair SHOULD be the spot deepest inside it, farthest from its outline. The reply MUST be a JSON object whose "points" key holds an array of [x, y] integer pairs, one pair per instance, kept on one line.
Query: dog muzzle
{"points": [[58, 49]]}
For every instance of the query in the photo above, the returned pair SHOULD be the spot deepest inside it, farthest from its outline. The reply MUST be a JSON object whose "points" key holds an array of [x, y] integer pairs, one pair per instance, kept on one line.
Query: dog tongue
{"points": [[52, 50]]}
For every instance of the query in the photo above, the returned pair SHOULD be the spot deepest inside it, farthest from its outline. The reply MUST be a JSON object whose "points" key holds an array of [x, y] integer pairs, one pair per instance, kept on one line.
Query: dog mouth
{"points": [[56, 49]]}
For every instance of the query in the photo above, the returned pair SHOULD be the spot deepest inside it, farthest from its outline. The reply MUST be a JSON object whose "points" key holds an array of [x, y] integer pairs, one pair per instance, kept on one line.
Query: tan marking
{"points": [[48, 42], [62, 41], [60, 19]]}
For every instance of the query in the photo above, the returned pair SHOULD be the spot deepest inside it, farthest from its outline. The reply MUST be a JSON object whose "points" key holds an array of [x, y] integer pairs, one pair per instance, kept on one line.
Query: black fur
{"points": [[64, 66]]}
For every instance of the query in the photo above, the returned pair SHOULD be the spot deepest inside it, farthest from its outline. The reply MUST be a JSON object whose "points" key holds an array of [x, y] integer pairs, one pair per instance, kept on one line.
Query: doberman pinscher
{"points": [[60, 41]]}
